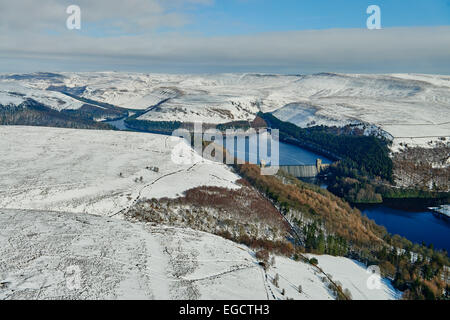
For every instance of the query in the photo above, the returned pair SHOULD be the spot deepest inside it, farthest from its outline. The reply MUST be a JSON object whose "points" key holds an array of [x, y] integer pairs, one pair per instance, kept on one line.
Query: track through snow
{"points": [[55, 179], [97, 172], [117, 259]]}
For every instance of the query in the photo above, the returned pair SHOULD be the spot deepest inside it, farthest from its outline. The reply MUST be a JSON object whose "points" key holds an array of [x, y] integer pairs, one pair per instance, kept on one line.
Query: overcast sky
{"points": [[209, 36]]}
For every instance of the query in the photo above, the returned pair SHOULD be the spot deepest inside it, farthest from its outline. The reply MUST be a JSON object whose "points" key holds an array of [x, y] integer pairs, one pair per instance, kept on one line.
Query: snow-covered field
{"points": [[61, 194], [16, 92], [50, 255], [95, 171], [348, 273], [412, 108]]}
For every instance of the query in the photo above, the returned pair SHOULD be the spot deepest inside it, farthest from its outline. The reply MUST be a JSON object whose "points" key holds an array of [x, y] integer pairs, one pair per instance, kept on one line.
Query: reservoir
{"points": [[289, 155], [411, 219]]}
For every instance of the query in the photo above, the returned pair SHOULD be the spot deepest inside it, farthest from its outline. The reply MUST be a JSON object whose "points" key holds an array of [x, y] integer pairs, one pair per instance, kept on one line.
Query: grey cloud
{"points": [[25, 44], [30, 16]]}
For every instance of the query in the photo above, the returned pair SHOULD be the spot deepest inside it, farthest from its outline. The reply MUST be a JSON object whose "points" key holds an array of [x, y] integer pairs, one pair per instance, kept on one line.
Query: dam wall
{"points": [[301, 171], [305, 171]]}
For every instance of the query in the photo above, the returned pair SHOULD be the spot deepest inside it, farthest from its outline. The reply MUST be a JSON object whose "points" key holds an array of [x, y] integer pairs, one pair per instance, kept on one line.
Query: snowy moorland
{"points": [[50, 255], [62, 190], [411, 108], [16, 92], [97, 172], [63, 195], [347, 272]]}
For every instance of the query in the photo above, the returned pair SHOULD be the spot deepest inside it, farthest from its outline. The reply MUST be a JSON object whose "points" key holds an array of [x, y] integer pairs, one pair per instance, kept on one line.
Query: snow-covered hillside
{"points": [[348, 273], [411, 108], [61, 189], [50, 255], [62, 195], [97, 172], [15, 92]]}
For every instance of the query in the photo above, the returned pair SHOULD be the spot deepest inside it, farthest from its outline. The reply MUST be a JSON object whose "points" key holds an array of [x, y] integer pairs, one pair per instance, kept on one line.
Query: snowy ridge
{"points": [[412, 108], [14, 93], [122, 260]]}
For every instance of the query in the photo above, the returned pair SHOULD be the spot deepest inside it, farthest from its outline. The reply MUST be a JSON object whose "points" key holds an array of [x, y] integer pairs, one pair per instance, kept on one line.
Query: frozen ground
{"points": [[350, 274], [412, 108], [77, 173], [16, 92], [50, 255], [96, 171], [44, 170]]}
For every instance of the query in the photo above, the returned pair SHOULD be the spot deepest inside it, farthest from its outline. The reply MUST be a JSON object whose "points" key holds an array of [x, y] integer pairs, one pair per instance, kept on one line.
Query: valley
{"points": [[79, 201], [57, 166]]}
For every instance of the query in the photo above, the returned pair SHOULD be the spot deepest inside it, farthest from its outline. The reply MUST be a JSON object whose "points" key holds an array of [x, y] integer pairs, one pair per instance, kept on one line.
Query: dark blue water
{"points": [[288, 155], [410, 219], [293, 155], [413, 221]]}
